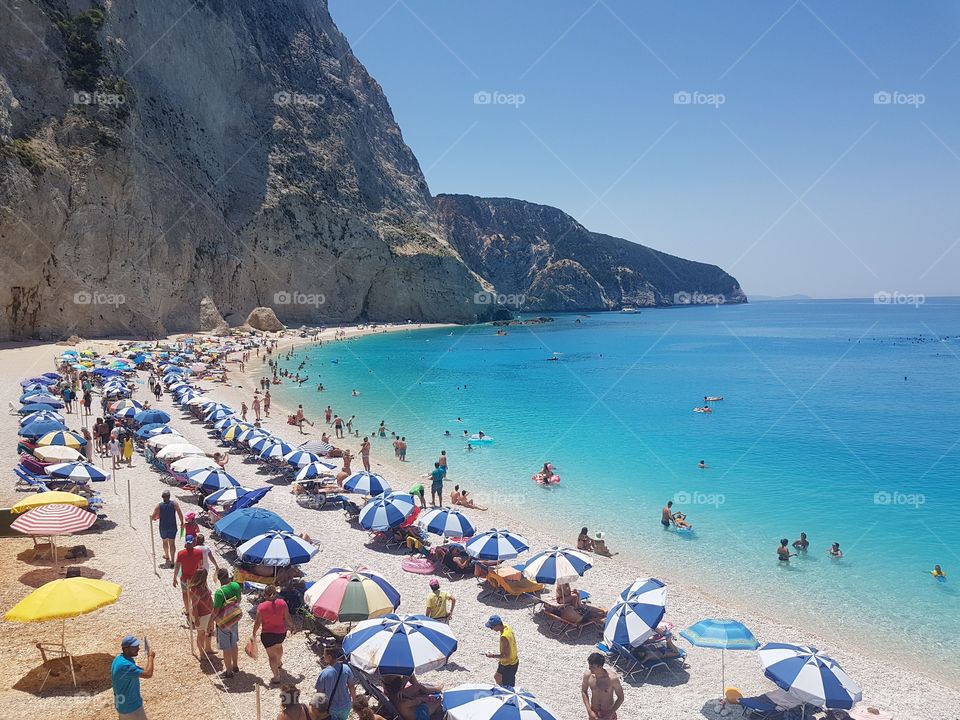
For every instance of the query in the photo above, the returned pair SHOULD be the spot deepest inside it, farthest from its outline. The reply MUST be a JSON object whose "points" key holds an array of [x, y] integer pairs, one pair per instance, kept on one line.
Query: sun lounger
{"points": [[384, 707], [556, 624], [671, 664], [621, 658], [513, 589]]}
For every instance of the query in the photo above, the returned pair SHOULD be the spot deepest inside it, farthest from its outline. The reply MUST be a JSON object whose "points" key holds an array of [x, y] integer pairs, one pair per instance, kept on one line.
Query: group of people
{"points": [[801, 545], [111, 439], [595, 543]]}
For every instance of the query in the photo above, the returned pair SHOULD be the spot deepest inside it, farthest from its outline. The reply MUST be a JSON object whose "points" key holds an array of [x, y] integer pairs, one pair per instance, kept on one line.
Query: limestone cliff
{"points": [[546, 258], [154, 153]]}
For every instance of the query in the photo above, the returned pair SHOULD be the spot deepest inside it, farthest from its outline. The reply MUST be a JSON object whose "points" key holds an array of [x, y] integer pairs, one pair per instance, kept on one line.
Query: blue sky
{"points": [[782, 168]]}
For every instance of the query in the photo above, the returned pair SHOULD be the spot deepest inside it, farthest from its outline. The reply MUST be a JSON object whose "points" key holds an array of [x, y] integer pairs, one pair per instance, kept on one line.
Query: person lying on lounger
{"points": [[657, 651]]}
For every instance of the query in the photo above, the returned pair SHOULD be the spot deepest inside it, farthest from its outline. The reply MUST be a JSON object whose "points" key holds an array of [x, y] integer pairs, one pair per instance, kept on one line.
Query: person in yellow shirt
{"points": [[506, 674], [440, 605]]}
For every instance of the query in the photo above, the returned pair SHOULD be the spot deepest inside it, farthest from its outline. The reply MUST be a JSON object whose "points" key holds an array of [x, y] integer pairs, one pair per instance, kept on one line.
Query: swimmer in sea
{"points": [[702, 465], [666, 516], [835, 551], [783, 552], [466, 434], [802, 544], [680, 520], [938, 573], [459, 420], [469, 447], [446, 433]]}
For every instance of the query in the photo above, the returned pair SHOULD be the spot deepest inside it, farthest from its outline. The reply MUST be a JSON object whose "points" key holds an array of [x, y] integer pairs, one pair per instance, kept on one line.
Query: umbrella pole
{"points": [[723, 677], [129, 504], [63, 644]]}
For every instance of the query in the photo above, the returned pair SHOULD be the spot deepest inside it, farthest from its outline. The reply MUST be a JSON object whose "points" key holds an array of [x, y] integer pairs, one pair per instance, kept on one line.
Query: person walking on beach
{"points": [[350, 424], [420, 494], [171, 517], [158, 391], [436, 486], [266, 403], [440, 605], [87, 402], [601, 690], [327, 414], [365, 453], [337, 682], [256, 407], [188, 562], [201, 601], [443, 462], [508, 657], [125, 677], [114, 447], [128, 448], [88, 448], [273, 620], [338, 426], [226, 616], [403, 449]]}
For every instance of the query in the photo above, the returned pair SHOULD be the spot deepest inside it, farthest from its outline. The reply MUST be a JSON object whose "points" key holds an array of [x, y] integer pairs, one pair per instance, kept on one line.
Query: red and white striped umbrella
{"points": [[56, 519]]}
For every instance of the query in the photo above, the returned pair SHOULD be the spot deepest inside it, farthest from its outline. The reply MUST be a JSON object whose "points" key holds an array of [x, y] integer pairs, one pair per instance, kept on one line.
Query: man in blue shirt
{"points": [[125, 675], [336, 681], [436, 486]]}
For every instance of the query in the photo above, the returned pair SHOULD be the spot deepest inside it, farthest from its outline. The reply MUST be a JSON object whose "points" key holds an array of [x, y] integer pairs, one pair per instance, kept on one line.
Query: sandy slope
{"points": [[550, 668]]}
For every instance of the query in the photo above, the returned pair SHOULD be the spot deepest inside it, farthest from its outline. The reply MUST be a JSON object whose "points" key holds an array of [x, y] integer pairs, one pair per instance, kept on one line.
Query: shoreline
{"points": [[552, 668]]}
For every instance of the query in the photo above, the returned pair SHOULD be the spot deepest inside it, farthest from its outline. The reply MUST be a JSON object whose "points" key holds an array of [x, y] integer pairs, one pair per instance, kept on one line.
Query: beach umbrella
{"points": [[230, 432], [146, 417], [41, 416], [300, 458], [482, 701], [53, 520], [48, 498], [259, 440], [496, 545], [386, 511], [276, 451], [250, 434], [201, 401], [194, 462], [722, 634], [129, 412], [447, 522], [164, 439], [39, 380], [347, 595], [56, 453], [636, 615], [39, 428], [154, 429], [127, 403], [64, 438], [215, 415], [80, 472], [241, 525], [400, 645], [39, 396], [211, 479], [276, 548], [809, 675], [226, 495], [226, 422], [179, 450], [316, 446], [314, 469], [251, 498], [38, 407], [556, 566], [366, 483]]}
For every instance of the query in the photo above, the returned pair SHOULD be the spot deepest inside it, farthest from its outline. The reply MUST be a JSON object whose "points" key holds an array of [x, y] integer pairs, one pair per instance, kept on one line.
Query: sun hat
{"points": [[189, 539], [190, 516], [599, 535], [435, 583], [494, 621]]}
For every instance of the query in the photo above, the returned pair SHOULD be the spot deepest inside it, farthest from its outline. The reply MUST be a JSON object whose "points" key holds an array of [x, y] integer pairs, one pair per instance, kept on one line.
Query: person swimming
{"points": [[702, 465], [835, 551], [802, 543], [938, 573]]}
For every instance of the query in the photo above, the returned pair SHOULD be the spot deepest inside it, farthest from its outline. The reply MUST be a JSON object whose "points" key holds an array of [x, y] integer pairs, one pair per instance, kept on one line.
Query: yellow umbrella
{"points": [[48, 498], [62, 599], [61, 438]]}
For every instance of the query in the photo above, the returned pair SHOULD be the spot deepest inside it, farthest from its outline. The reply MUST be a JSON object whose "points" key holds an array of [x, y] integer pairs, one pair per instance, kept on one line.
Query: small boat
{"points": [[715, 398], [703, 409], [628, 310]]}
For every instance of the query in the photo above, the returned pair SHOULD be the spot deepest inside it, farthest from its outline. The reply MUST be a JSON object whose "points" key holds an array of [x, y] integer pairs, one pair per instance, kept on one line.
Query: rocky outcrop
{"points": [[210, 318], [263, 318], [156, 153], [540, 258]]}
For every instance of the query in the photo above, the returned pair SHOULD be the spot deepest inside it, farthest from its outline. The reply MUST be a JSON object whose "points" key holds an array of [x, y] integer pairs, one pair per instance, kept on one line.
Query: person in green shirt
{"points": [[226, 614], [418, 491]]}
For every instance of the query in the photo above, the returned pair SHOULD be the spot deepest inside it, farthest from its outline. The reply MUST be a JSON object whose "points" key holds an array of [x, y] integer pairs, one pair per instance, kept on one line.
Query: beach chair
{"points": [[29, 482], [774, 705], [555, 623], [671, 664], [384, 708], [513, 589], [621, 658]]}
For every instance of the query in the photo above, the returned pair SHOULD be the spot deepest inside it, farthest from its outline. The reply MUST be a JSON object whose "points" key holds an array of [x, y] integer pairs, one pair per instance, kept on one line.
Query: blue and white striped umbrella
{"points": [[276, 451], [227, 495], [300, 458], [482, 701], [211, 479], [447, 522], [400, 645], [127, 412], [153, 429], [386, 511], [277, 548], [41, 415], [38, 396], [260, 442], [556, 566], [251, 435], [366, 483], [496, 545], [77, 471], [217, 414], [634, 619], [226, 422], [809, 675], [314, 469]]}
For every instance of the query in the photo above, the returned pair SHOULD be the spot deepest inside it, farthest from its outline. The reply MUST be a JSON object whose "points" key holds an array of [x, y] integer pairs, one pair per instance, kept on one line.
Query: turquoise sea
{"points": [[839, 419]]}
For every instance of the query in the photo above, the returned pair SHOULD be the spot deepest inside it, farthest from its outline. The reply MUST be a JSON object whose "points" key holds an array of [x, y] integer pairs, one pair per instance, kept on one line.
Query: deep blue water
{"points": [[839, 418]]}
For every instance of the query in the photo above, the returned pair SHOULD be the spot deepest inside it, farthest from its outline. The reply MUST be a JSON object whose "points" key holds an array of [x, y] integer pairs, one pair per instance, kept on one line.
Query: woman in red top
{"points": [[201, 604], [273, 619]]}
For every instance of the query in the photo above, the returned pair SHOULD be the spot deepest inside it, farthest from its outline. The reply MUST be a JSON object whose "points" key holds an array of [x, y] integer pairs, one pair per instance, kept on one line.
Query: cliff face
{"points": [[544, 256], [156, 153]]}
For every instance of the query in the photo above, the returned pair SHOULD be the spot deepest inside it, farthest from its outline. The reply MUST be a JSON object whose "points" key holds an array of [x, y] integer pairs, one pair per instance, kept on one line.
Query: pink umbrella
{"points": [[52, 520]]}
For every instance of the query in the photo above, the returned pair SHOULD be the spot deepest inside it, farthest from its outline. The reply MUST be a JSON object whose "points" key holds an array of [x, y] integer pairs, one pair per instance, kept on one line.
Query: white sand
{"points": [[550, 668]]}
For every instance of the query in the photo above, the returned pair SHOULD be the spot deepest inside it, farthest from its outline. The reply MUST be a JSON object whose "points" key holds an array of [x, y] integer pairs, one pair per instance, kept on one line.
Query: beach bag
{"points": [[229, 614], [251, 648]]}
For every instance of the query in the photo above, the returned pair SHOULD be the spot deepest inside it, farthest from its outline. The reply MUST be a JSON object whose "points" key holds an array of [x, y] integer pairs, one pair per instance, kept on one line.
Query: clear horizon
{"points": [[805, 148]]}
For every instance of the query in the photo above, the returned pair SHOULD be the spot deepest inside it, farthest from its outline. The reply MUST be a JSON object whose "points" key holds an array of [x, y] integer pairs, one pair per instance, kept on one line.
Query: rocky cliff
{"points": [[539, 258], [156, 153]]}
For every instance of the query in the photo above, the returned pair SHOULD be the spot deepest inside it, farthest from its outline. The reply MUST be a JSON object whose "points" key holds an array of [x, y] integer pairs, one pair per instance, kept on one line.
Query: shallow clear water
{"points": [[838, 420]]}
